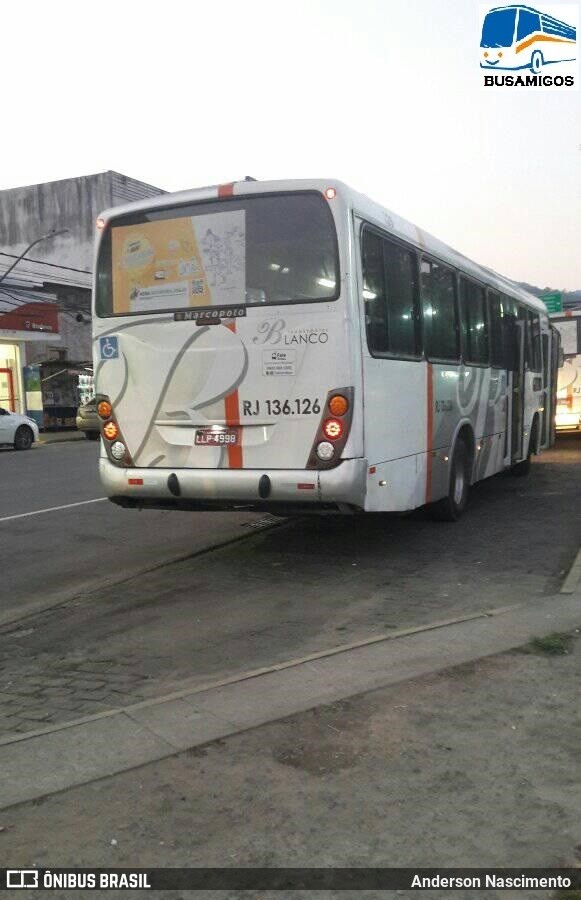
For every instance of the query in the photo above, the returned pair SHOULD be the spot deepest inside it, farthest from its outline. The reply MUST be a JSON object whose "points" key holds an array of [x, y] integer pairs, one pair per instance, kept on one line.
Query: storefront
{"points": [[11, 381], [54, 391], [20, 324]]}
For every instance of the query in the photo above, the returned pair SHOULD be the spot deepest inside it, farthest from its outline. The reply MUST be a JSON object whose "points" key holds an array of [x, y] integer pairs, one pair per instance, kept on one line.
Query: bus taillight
{"points": [[113, 439], [338, 405], [111, 430], [333, 430]]}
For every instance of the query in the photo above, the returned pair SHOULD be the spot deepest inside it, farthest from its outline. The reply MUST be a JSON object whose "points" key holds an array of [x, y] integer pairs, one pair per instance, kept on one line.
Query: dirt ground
{"points": [[475, 766]]}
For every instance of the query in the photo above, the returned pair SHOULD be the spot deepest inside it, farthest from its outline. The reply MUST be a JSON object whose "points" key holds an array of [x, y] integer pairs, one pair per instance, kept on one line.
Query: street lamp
{"points": [[45, 237]]}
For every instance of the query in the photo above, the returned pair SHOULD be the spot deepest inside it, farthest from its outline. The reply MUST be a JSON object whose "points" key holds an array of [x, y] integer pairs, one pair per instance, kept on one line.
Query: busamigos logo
{"points": [[538, 45]]}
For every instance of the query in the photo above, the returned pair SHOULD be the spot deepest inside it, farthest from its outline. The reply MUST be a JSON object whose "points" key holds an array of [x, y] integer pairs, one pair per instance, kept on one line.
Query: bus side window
{"points": [[439, 312], [534, 329], [474, 322], [496, 313], [401, 285], [509, 334], [523, 316], [374, 292]]}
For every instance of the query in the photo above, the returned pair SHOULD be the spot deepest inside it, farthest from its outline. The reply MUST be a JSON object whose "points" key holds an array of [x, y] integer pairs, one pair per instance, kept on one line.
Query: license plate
{"points": [[213, 437]]}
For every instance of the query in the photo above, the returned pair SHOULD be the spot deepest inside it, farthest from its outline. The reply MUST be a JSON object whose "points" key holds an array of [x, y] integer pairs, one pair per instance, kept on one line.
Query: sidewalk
{"points": [[57, 437], [52, 759], [473, 766]]}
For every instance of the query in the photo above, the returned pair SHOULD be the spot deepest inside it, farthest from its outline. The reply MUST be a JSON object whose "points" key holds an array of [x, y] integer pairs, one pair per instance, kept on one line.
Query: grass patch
{"points": [[565, 894], [552, 645]]}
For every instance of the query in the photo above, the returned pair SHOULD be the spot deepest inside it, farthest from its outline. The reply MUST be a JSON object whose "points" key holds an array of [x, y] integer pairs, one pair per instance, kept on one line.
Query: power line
{"points": [[24, 299], [42, 262]]}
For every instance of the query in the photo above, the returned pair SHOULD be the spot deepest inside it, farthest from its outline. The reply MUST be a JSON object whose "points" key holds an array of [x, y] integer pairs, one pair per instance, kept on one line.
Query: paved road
{"points": [[52, 556], [305, 586]]}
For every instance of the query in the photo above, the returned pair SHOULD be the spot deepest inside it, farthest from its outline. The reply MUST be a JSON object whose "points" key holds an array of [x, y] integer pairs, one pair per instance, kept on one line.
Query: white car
{"points": [[18, 431]]}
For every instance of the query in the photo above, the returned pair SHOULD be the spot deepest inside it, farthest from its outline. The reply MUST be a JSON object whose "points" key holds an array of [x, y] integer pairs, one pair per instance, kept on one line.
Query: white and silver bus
{"points": [[568, 413], [293, 346]]}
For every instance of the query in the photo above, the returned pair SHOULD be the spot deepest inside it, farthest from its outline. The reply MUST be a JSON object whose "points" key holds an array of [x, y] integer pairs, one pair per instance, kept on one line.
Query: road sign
{"points": [[553, 302]]}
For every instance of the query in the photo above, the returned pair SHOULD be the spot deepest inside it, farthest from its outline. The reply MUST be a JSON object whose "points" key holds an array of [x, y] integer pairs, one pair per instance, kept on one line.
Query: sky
{"points": [[385, 95]]}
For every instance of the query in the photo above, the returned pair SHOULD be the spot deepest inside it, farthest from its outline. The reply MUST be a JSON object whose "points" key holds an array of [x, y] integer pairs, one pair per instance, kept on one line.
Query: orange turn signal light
{"points": [[111, 431], [104, 409], [338, 405]]}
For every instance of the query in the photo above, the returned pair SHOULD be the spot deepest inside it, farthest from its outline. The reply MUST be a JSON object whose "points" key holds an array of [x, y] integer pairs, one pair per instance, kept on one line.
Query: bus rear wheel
{"points": [[451, 507]]}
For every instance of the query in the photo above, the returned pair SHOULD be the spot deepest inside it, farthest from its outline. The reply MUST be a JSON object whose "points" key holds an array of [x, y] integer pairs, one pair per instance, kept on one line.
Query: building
{"points": [[45, 297]]}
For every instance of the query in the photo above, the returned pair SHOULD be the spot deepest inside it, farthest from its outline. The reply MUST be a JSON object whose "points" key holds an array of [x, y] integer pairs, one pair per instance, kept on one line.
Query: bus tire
{"points": [[537, 62], [522, 469], [451, 507]]}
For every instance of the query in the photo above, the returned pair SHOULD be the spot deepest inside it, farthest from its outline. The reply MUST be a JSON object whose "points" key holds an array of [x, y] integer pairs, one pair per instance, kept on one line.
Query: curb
{"points": [[37, 764], [53, 439]]}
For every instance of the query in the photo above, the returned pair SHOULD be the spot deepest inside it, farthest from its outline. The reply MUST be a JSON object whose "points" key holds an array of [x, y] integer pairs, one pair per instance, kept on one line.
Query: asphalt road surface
{"points": [[50, 557], [307, 585]]}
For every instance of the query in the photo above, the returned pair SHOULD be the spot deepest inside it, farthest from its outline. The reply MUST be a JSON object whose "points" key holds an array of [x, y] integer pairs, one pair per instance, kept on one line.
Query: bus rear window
{"points": [[258, 250]]}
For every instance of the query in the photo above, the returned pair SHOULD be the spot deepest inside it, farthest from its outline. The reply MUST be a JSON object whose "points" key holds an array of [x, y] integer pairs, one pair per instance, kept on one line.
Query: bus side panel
{"points": [[533, 402], [470, 397], [414, 414], [395, 431]]}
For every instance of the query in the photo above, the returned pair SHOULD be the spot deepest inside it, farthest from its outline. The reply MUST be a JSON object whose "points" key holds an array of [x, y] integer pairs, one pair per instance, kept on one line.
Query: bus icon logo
{"points": [[109, 348], [524, 38], [21, 878]]}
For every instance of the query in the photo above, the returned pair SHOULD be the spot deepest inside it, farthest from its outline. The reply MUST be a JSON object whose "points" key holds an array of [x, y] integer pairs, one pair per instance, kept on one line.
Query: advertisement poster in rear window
{"points": [[177, 263]]}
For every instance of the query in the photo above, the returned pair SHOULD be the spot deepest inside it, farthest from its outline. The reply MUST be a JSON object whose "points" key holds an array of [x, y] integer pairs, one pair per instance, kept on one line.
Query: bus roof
{"points": [[362, 206]]}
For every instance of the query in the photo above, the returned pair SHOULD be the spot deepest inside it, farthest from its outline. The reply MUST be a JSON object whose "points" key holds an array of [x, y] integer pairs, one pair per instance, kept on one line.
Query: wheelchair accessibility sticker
{"points": [[109, 348]]}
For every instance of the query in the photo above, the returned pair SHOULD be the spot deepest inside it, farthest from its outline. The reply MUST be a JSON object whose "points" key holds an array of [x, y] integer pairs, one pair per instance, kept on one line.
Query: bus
{"points": [[520, 37], [568, 412], [292, 346]]}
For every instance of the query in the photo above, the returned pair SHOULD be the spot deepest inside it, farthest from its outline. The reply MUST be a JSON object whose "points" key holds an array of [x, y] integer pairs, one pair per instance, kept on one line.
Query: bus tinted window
{"points": [[374, 292], [474, 322], [389, 294], [253, 250], [509, 333], [401, 283], [534, 327], [439, 312], [495, 316], [523, 316]]}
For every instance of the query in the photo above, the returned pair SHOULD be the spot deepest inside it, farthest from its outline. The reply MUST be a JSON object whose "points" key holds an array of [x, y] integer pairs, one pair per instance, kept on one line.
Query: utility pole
{"points": [[45, 237]]}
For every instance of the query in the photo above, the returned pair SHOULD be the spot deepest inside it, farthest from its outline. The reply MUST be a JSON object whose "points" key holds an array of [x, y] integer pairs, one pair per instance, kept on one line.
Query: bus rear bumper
{"points": [[341, 487]]}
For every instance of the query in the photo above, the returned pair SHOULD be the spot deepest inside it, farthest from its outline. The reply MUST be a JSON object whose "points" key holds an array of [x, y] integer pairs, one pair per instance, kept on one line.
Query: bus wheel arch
{"points": [[523, 468], [466, 435], [451, 507]]}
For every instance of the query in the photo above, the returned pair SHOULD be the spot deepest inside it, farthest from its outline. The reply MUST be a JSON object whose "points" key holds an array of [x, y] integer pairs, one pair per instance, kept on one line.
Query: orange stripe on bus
{"points": [[232, 412], [430, 430], [226, 190], [542, 37]]}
